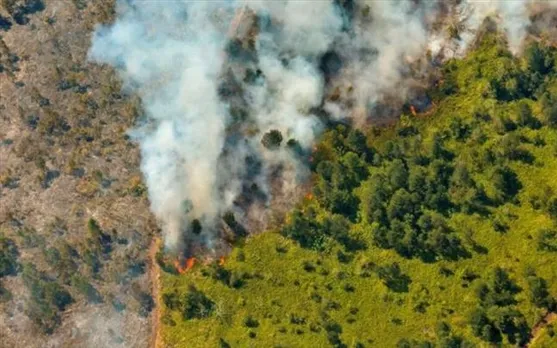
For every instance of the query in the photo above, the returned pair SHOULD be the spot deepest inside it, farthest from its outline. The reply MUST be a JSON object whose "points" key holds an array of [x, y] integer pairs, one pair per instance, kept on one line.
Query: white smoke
{"points": [[198, 155]]}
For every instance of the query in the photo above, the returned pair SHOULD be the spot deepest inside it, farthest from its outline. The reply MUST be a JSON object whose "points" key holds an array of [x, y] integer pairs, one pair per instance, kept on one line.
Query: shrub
{"points": [[547, 240], [196, 305], [251, 322], [506, 183], [393, 278], [272, 139], [172, 301], [85, 288], [8, 257], [539, 293]]}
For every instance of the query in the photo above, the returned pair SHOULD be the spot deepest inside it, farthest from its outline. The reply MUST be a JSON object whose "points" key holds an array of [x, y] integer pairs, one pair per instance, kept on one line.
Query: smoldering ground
{"points": [[215, 77]]}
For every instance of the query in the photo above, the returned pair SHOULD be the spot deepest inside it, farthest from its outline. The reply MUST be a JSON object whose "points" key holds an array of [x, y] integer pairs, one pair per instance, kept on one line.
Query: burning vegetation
{"points": [[235, 143], [184, 265]]}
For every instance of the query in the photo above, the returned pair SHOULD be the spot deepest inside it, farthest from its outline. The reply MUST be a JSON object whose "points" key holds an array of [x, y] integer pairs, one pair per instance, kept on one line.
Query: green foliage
{"points": [[506, 184], [272, 139], [100, 241], [196, 305], [393, 277], [499, 291], [48, 298], [547, 240], [539, 293], [525, 118], [144, 299], [251, 322], [540, 58], [82, 285], [8, 257], [5, 294], [498, 315]]}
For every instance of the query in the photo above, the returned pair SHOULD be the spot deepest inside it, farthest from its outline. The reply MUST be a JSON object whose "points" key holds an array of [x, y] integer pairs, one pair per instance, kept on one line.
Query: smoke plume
{"points": [[216, 77]]}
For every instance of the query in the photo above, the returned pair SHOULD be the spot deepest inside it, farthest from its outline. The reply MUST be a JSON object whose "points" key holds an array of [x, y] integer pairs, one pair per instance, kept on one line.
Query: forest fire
{"points": [[221, 261], [190, 262], [309, 196]]}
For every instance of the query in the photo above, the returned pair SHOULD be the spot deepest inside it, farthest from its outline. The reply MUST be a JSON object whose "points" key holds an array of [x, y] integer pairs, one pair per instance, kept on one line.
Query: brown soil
{"points": [[549, 318], [154, 274]]}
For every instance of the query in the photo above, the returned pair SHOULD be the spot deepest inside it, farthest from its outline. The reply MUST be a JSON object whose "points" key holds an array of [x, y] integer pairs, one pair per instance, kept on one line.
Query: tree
{"points": [[552, 207], [398, 174], [354, 170], [547, 240], [445, 244], [539, 293], [272, 139], [393, 277], [84, 287], [525, 117], [172, 301], [478, 320], [146, 302], [511, 323], [356, 141], [400, 204], [251, 322], [503, 124], [342, 202], [417, 179], [8, 257], [196, 227], [539, 59], [437, 148], [197, 305], [463, 191], [510, 148], [99, 240], [499, 290], [459, 130], [506, 183], [491, 334], [375, 195], [303, 229], [56, 295], [337, 227], [549, 113]]}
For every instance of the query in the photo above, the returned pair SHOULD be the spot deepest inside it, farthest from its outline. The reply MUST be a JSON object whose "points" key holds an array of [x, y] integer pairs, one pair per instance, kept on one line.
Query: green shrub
{"points": [[196, 305], [8, 257]]}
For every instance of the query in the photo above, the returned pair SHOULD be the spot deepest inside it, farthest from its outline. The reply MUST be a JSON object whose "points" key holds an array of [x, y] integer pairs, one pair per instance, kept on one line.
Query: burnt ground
{"points": [[65, 159]]}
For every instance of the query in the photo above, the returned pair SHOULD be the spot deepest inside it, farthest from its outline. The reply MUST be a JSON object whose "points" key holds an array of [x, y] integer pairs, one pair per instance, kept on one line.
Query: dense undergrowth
{"points": [[437, 231]]}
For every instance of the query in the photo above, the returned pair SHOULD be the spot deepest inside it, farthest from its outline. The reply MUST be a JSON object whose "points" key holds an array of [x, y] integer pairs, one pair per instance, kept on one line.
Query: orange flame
{"points": [[309, 196], [179, 267], [221, 261], [413, 110], [190, 263]]}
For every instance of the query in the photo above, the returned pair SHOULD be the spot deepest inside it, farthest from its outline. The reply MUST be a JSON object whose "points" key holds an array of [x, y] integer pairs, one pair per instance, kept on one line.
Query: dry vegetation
{"points": [[71, 200]]}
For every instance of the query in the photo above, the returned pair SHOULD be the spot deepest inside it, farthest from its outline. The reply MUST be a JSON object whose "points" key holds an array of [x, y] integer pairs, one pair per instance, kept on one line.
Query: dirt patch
{"points": [[548, 319], [154, 274]]}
